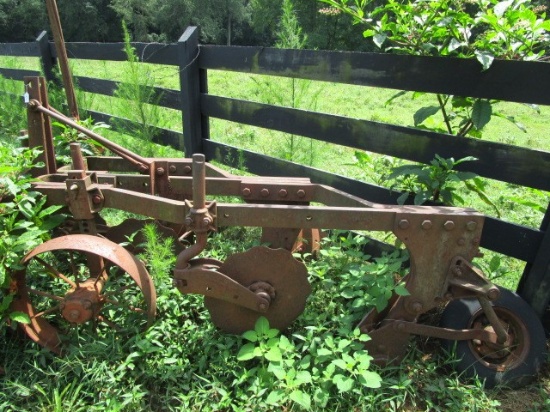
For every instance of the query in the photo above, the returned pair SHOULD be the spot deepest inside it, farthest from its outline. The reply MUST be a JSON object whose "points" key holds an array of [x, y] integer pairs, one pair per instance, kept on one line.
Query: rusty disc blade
{"points": [[278, 268]]}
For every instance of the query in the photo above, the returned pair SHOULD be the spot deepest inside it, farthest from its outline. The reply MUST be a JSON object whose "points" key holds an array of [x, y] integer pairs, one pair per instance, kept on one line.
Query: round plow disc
{"points": [[276, 267]]}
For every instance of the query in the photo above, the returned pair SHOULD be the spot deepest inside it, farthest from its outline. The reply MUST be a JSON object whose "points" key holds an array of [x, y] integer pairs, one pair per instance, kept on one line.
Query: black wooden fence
{"points": [[525, 82]]}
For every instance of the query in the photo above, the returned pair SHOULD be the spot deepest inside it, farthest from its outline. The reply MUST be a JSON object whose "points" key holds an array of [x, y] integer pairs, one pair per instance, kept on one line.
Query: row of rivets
{"points": [[428, 224], [265, 192]]}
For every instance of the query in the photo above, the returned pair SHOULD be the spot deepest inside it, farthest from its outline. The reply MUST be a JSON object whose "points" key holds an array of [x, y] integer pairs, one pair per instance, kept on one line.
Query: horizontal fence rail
{"points": [[514, 81]]}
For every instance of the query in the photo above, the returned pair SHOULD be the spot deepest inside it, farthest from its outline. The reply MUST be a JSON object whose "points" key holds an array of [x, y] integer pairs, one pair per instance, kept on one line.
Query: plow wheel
{"points": [[82, 279], [275, 274], [513, 363]]}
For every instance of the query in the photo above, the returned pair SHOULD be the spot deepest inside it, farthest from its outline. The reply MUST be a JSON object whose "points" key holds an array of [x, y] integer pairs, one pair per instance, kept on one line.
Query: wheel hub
{"points": [[494, 351]]}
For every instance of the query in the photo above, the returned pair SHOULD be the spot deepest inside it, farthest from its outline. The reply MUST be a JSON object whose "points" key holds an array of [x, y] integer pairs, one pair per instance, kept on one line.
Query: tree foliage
{"points": [[485, 30]]}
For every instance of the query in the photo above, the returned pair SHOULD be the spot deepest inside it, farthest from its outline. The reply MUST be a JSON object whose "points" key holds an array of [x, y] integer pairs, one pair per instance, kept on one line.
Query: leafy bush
{"points": [[485, 30], [25, 221]]}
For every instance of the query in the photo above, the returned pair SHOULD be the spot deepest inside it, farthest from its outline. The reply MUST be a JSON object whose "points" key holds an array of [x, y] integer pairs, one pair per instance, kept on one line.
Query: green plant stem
{"points": [[445, 115]]}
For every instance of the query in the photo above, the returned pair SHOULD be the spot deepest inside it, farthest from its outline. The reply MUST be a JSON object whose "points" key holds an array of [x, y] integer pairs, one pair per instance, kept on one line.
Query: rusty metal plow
{"points": [[263, 281]]}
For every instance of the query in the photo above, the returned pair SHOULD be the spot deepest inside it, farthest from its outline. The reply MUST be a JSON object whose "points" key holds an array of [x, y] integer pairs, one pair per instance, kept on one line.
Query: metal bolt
{"points": [[404, 224], [262, 307], [493, 294], [301, 193], [74, 314], [283, 193], [427, 224], [74, 187], [172, 169], [264, 192], [246, 192], [187, 170], [179, 283], [417, 307], [206, 221], [96, 199], [457, 271], [471, 226], [461, 241], [449, 225], [188, 221], [33, 104], [160, 171]]}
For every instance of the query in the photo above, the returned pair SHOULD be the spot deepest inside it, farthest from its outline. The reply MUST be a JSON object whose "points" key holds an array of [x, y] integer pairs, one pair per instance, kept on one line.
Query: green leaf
{"points": [[395, 96], [321, 397], [5, 303], [513, 120], [20, 317], [271, 333], [340, 363], [302, 377], [462, 176], [262, 326], [247, 352], [481, 113], [343, 383], [501, 7], [52, 222], [250, 335], [362, 157], [301, 398], [344, 343], [485, 58], [370, 379], [275, 397], [423, 113], [379, 39], [421, 197], [401, 290], [403, 198], [277, 370], [274, 355], [324, 352], [368, 33], [494, 264]]}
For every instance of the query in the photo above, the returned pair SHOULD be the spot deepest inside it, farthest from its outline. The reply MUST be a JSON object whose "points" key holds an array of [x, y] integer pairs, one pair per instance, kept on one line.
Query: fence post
{"points": [[534, 285], [192, 83], [47, 60]]}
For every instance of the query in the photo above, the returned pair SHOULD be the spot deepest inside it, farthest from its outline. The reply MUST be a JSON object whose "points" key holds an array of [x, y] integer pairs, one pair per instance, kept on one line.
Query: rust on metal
{"points": [[274, 272], [57, 31], [83, 299], [265, 280]]}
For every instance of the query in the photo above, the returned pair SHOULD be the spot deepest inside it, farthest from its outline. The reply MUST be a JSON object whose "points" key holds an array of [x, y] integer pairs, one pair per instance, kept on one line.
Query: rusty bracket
{"points": [[159, 174], [84, 197], [444, 333], [202, 277], [464, 280]]}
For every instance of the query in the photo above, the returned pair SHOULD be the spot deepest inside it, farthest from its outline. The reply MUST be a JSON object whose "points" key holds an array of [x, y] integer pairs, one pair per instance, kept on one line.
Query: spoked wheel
{"points": [[514, 363], [78, 280]]}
